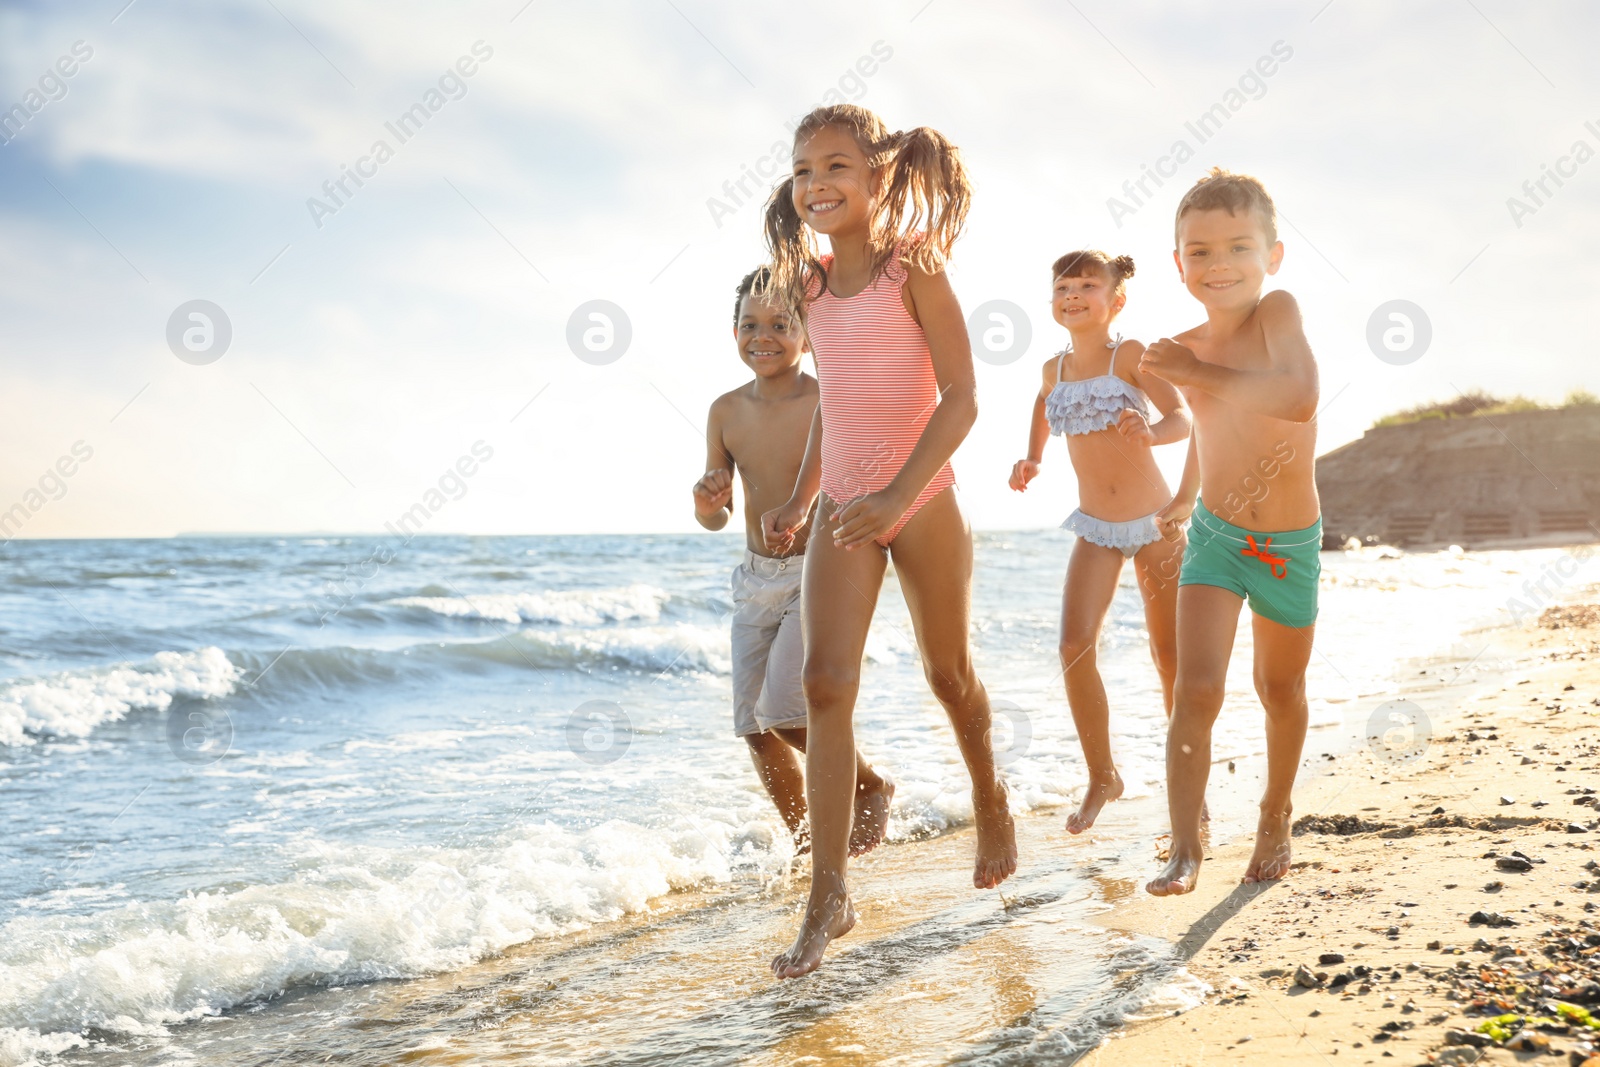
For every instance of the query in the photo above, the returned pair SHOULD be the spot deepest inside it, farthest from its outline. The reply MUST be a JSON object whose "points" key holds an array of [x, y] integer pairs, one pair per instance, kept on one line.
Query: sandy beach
{"points": [[1427, 898]]}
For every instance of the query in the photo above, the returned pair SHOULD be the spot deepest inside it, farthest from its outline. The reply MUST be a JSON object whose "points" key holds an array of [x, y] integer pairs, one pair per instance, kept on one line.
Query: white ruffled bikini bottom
{"points": [[1126, 537]]}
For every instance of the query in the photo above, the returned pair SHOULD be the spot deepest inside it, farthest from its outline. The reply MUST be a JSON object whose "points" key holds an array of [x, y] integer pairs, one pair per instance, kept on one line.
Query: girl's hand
{"points": [[779, 526], [713, 492], [1023, 471], [1134, 427], [1169, 361], [866, 518], [1170, 519]]}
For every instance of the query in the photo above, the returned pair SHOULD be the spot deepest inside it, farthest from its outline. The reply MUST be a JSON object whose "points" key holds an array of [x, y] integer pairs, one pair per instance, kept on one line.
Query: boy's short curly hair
{"points": [[759, 282], [1233, 193]]}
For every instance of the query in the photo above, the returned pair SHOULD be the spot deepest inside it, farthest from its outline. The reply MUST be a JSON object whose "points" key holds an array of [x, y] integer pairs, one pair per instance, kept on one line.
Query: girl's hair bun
{"points": [[1115, 269]]}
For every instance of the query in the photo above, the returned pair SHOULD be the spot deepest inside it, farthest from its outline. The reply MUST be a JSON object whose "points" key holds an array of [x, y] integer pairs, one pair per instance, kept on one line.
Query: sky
{"points": [[387, 336]]}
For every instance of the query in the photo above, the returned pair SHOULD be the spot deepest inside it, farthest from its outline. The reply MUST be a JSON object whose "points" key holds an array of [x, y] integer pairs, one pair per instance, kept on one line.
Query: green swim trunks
{"points": [[1276, 572]]}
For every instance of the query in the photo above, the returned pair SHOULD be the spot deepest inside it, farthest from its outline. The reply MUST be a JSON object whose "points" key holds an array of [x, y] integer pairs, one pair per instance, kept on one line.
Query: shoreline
{"points": [[1069, 959]]}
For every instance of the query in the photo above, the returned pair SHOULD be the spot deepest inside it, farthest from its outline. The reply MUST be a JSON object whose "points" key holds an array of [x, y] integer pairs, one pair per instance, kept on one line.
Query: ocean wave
{"points": [[352, 914], [567, 607], [73, 703], [677, 647]]}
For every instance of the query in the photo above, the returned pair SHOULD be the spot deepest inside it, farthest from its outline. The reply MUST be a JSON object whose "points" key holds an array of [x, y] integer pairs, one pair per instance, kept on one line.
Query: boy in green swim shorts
{"points": [[1256, 532]]}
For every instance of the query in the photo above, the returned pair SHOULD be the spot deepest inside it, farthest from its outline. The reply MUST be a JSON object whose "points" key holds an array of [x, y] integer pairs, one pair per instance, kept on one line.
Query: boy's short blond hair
{"points": [[1234, 193]]}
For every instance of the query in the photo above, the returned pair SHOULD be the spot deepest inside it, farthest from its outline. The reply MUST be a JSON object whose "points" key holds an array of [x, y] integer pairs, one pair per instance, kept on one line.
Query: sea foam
{"points": [[569, 607], [73, 703], [352, 913]]}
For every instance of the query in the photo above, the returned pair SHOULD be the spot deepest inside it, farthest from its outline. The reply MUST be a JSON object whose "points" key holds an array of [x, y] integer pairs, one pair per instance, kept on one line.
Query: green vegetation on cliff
{"points": [[1479, 402]]}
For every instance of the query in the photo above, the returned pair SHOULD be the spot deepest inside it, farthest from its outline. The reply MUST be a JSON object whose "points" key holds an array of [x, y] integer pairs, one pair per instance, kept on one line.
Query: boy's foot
{"points": [[997, 843], [1101, 792], [1270, 860], [802, 840], [826, 921], [871, 816], [1178, 877]]}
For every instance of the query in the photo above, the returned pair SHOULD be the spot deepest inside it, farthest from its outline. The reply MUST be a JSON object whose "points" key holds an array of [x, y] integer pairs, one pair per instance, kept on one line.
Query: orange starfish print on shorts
{"points": [[1279, 565]]}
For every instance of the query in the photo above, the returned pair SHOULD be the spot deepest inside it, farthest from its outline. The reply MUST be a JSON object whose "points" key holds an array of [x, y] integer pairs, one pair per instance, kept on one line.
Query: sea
{"points": [[244, 774]]}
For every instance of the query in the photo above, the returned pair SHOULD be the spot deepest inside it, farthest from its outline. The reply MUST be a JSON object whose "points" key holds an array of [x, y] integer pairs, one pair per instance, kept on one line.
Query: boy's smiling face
{"points": [[769, 337], [1084, 301], [832, 182], [1224, 259]]}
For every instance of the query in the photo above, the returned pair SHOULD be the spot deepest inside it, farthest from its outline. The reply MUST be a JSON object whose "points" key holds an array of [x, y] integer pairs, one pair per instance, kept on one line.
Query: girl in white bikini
{"points": [[1093, 395]]}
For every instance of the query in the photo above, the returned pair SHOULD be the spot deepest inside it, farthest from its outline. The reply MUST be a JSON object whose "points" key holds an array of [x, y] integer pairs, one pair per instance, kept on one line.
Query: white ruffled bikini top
{"points": [[1091, 404]]}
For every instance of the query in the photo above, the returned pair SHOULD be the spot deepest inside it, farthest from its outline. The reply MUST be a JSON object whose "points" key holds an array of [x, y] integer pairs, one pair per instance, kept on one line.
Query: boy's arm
{"points": [[1286, 390], [713, 493]]}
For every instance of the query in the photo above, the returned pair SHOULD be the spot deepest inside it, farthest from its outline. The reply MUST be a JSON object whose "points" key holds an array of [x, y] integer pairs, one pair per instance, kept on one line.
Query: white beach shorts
{"points": [[767, 650]]}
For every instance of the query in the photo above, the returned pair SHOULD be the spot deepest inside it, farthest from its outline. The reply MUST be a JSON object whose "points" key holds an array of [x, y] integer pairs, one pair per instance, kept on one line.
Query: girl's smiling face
{"points": [[1086, 301], [833, 184]]}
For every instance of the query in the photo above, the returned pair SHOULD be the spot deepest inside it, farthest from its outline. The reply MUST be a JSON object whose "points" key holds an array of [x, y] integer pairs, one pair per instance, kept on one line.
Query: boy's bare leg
{"points": [[1208, 618], [840, 591], [874, 795], [1281, 656], [1157, 566], [778, 766], [933, 559], [1092, 574]]}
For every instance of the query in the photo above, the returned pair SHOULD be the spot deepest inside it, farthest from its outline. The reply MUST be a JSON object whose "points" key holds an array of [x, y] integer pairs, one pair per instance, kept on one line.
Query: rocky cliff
{"points": [[1478, 481]]}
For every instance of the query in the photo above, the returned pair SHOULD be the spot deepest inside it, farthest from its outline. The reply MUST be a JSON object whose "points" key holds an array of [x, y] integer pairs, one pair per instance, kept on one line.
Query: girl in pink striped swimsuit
{"points": [[897, 398]]}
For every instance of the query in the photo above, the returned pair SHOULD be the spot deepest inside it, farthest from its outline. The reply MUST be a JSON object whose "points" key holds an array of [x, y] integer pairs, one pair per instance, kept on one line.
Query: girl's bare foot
{"points": [[1270, 860], [871, 815], [1178, 877], [997, 842], [825, 921], [1101, 792]]}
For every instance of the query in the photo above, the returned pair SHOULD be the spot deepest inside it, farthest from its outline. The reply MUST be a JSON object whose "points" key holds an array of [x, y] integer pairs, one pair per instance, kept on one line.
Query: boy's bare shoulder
{"points": [[1278, 306], [730, 404]]}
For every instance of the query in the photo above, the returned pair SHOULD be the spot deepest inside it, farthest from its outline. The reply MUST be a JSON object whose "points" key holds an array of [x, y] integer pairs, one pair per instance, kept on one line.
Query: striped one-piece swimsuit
{"points": [[878, 389]]}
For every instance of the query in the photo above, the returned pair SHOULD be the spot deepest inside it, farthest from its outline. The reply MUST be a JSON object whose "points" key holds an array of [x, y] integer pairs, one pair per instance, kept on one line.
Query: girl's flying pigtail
{"points": [[794, 256], [926, 190]]}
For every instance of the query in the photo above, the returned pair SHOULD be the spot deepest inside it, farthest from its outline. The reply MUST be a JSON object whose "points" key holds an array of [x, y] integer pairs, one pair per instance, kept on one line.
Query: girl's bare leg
{"points": [[839, 592], [1156, 567], [933, 559], [1092, 573]]}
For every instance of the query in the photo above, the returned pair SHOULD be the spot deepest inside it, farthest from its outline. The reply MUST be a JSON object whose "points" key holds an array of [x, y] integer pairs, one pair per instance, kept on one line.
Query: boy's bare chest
{"points": [[769, 435]]}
